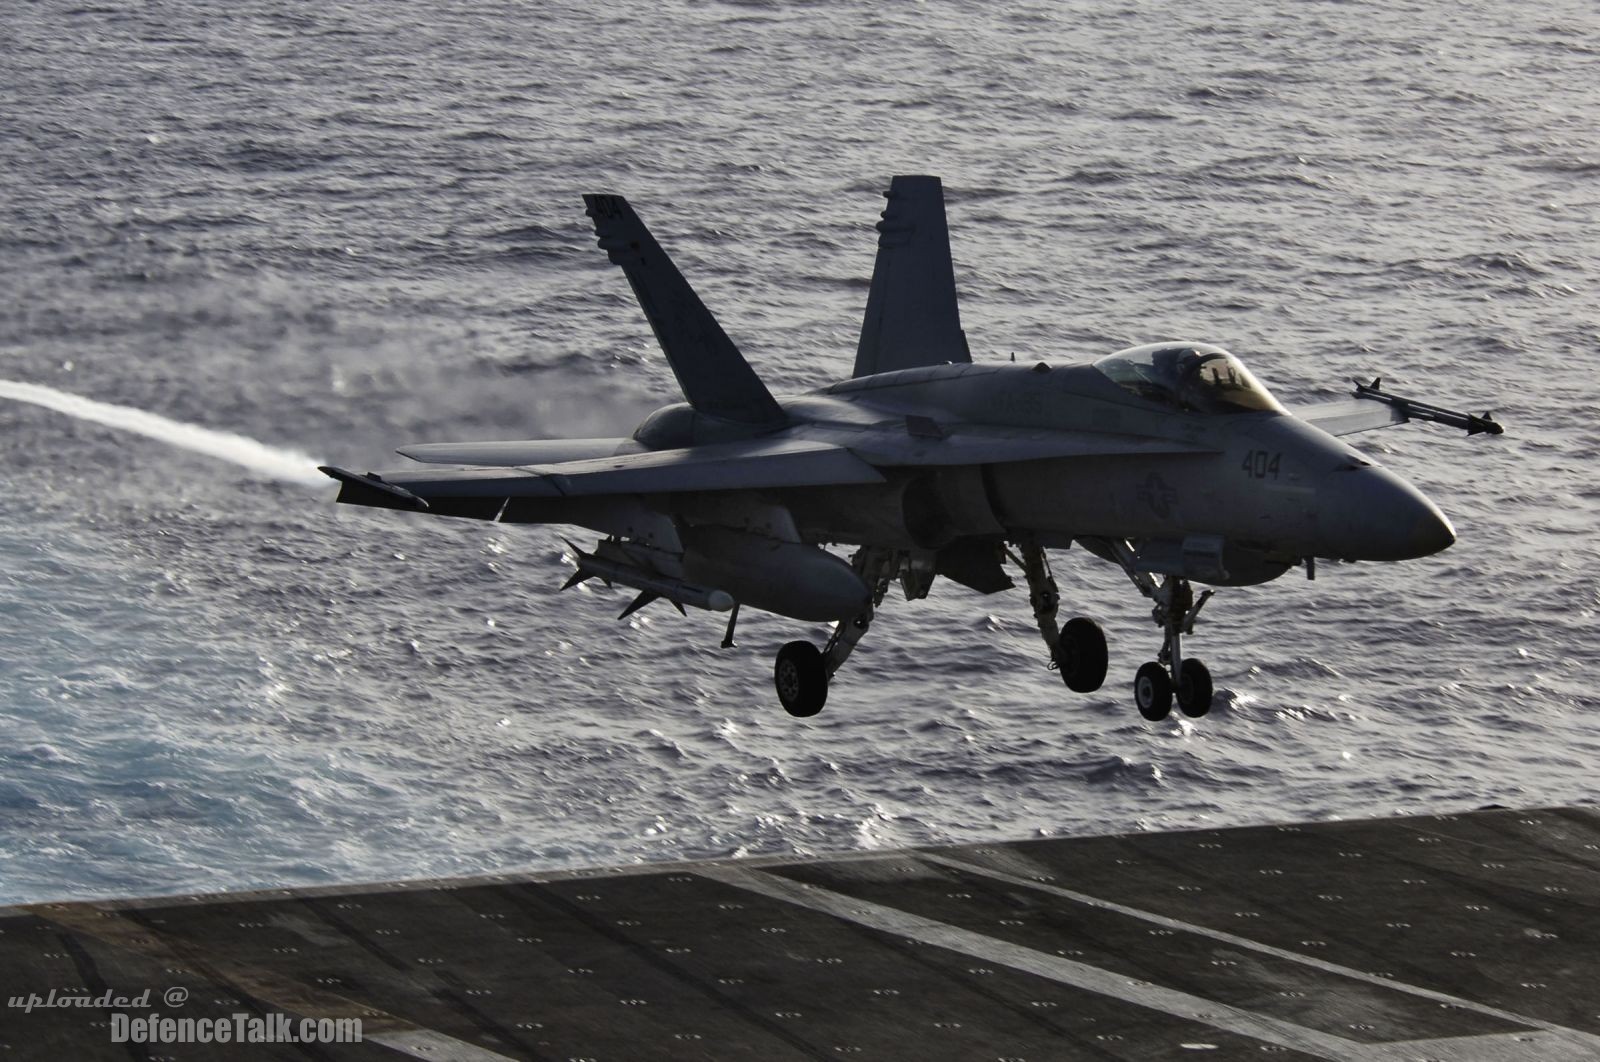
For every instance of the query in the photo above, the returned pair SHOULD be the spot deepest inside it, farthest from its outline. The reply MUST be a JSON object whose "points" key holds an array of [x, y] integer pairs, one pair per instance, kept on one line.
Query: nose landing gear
{"points": [[1170, 673], [1152, 691], [1194, 689], [1078, 649]]}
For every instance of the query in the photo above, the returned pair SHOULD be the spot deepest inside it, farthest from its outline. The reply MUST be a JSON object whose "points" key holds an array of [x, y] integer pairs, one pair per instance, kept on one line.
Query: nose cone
{"points": [[1369, 513]]}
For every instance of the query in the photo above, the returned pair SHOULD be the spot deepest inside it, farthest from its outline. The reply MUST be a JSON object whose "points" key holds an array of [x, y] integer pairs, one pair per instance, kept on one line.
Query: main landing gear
{"points": [[801, 678], [1077, 650], [802, 672]]}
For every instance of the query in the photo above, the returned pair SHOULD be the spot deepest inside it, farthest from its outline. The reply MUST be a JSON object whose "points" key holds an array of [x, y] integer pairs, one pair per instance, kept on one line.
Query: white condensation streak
{"points": [[1054, 967], [1586, 1044], [270, 461], [434, 1046]]}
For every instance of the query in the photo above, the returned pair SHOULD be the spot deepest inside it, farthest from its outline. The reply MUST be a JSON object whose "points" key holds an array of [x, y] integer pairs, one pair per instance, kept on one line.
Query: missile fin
{"points": [[644, 598]]}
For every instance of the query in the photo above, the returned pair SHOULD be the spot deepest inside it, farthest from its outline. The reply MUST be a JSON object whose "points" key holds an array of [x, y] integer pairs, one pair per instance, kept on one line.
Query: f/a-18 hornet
{"points": [[1169, 460]]}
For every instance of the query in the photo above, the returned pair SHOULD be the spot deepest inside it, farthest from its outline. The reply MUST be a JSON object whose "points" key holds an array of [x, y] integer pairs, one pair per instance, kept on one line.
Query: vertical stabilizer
{"points": [[912, 318], [714, 376]]}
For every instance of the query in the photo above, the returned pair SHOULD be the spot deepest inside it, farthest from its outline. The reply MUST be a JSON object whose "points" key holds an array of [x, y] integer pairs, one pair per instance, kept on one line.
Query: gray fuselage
{"points": [[1269, 488]]}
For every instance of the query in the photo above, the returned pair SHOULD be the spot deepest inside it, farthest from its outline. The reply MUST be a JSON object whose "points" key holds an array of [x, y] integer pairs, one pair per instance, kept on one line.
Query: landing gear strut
{"points": [[1176, 609], [802, 672], [1077, 650]]}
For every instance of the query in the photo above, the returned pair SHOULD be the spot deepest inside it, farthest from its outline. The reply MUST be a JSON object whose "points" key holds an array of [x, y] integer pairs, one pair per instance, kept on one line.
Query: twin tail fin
{"points": [[714, 376]]}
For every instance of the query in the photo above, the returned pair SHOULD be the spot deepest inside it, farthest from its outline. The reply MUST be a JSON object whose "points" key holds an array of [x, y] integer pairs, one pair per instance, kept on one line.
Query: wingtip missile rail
{"points": [[1415, 410]]}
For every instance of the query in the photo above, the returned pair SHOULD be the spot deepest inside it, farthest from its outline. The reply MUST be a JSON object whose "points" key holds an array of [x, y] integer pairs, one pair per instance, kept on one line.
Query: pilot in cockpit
{"points": [[1195, 377]]}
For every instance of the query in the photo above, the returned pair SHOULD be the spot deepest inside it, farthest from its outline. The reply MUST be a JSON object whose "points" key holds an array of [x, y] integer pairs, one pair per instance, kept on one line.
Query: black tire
{"points": [[801, 679], [1194, 689], [1081, 655], [1152, 692]]}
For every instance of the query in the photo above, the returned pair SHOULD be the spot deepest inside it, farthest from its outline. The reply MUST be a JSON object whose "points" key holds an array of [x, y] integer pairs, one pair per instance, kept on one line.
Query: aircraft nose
{"points": [[1369, 513]]}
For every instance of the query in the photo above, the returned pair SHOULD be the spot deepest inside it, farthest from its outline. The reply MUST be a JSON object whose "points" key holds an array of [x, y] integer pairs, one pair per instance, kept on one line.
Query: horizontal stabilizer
{"points": [[912, 318], [508, 454], [714, 376]]}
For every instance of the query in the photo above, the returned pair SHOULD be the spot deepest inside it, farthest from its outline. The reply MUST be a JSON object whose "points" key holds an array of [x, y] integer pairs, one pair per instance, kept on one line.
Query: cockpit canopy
{"points": [[1191, 376]]}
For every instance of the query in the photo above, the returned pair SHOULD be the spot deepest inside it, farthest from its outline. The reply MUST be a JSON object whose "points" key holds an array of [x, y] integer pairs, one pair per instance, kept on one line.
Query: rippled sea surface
{"points": [[331, 229]]}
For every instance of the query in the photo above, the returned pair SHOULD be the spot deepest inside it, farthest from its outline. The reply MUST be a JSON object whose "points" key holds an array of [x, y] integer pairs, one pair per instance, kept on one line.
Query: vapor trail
{"points": [[275, 463]]}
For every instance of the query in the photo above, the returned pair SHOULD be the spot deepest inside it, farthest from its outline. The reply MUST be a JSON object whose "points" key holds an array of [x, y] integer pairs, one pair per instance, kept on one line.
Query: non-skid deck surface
{"points": [[1465, 938]]}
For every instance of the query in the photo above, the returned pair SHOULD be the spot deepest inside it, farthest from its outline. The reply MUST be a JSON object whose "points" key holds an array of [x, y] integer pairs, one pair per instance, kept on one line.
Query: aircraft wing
{"points": [[1372, 407], [745, 465], [841, 458]]}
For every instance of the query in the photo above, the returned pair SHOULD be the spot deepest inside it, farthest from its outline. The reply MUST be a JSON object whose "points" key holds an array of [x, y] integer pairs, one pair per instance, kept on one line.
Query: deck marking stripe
{"points": [[1587, 1041], [433, 1045], [1493, 1047], [1054, 967]]}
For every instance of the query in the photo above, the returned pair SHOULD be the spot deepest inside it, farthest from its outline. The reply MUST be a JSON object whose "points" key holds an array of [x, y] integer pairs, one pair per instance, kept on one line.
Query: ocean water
{"points": [[237, 240]]}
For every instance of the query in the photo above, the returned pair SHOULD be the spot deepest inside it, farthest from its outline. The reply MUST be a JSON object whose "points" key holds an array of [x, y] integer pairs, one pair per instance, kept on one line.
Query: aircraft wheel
{"points": [[1152, 689], [801, 678], [1081, 655], [1194, 689]]}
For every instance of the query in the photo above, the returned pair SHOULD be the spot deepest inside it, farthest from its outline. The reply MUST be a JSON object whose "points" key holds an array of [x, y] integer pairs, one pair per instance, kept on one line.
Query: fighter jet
{"points": [[1170, 460]]}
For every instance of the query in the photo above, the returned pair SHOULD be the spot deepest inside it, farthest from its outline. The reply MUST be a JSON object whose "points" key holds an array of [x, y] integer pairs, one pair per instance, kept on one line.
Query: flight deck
{"points": [[1462, 938]]}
